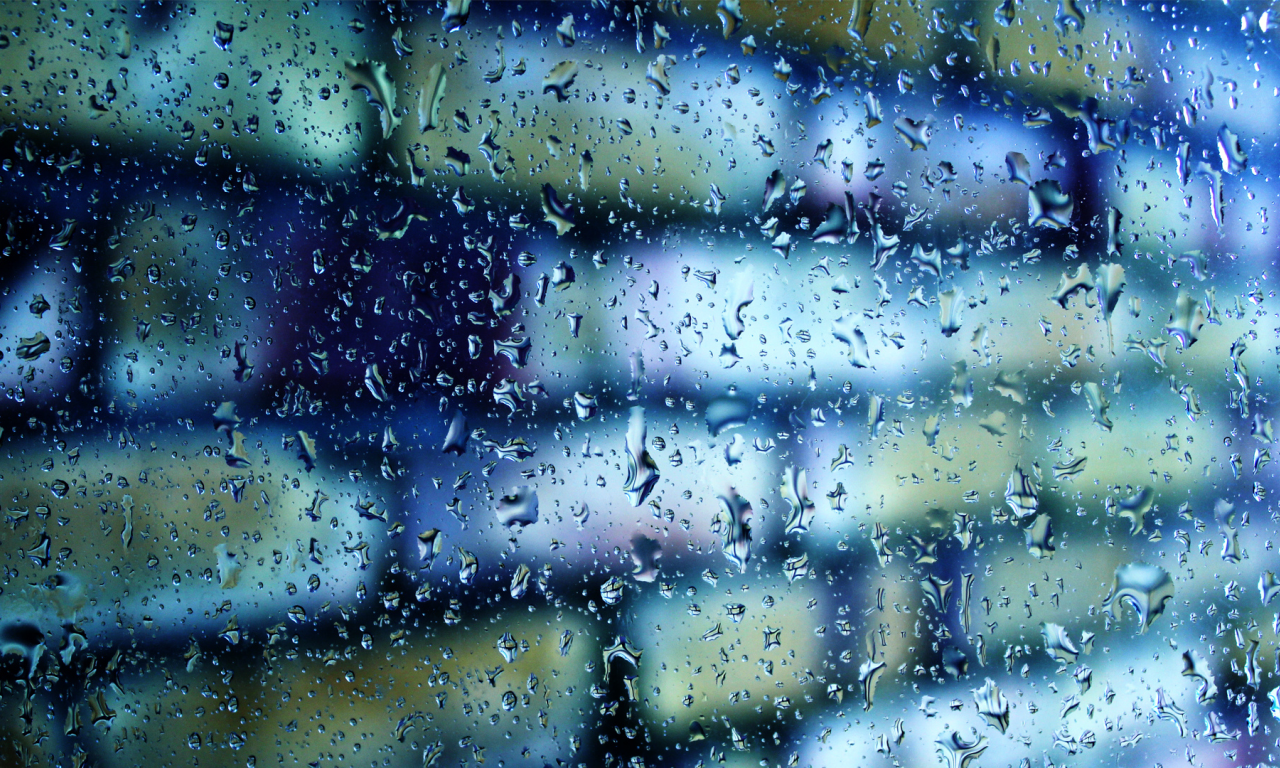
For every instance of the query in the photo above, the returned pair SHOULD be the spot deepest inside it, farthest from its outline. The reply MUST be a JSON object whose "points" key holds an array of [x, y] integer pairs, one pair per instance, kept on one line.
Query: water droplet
{"points": [[455, 15], [519, 508], [645, 553], [795, 491], [430, 96], [1049, 206], [1144, 588], [371, 79], [732, 525], [222, 35], [992, 705], [560, 79], [916, 133], [229, 567]]}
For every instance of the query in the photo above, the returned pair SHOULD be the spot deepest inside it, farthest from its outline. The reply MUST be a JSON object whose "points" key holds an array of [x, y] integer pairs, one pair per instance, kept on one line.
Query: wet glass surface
{"points": [[649, 384]]}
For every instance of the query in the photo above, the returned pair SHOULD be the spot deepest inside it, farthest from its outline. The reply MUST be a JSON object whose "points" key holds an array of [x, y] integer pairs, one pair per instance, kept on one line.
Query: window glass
{"points": [[638, 384]]}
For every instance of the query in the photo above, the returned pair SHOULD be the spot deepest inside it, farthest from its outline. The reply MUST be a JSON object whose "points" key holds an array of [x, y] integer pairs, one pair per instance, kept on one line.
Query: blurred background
{"points": [[611, 383]]}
